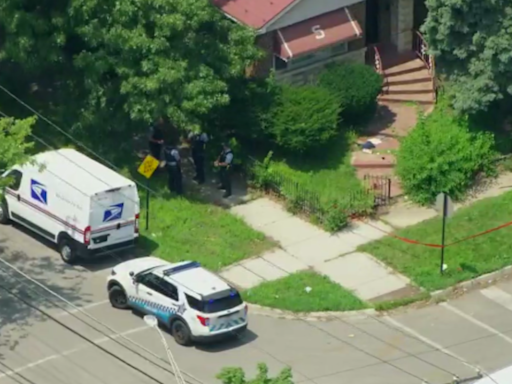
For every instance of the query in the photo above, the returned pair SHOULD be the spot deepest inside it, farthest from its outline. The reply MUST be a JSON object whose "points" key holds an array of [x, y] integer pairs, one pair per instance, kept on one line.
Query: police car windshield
{"points": [[217, 305]]}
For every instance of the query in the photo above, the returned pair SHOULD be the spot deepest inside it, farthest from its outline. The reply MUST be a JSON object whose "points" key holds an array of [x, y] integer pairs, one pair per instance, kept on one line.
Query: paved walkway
{"points": [[305, 246], [407, 214]]}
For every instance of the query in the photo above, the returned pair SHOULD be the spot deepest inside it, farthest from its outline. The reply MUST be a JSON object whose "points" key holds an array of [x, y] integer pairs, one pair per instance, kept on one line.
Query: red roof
{"points": [[254, 13], [321, 31]]}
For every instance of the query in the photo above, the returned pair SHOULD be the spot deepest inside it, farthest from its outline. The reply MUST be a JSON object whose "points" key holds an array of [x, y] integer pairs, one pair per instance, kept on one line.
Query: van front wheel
{"points": [[67, 250], [4, 213]]}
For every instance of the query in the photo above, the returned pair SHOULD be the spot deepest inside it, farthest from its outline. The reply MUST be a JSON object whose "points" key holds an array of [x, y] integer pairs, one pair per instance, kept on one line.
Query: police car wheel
{"points": [[117, 297], [181, 332], [4, 213], [67, 251]]}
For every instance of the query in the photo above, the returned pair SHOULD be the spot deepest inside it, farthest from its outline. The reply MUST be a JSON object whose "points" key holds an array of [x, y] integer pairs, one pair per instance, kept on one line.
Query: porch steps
{"points": [[409, 82]]}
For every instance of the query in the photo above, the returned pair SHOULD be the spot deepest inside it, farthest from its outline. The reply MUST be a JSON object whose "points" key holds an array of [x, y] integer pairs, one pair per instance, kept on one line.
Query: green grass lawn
{"points": [[182, 229], [289, 293], [465, 260], [327, 173]]}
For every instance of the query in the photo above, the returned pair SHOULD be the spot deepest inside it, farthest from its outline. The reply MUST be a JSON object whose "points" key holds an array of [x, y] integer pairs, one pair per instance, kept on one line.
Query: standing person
{"points": [[198, 143], [173, 164], [156, 139], [224, 162]]}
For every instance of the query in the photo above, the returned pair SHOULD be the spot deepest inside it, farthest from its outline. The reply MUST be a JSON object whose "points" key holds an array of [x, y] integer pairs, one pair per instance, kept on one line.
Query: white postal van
{"points": [[79, 204]]}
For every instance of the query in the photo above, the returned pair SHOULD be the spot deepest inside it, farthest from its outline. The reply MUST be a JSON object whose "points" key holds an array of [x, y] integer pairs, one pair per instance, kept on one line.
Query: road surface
{"points": [[430, 344]]}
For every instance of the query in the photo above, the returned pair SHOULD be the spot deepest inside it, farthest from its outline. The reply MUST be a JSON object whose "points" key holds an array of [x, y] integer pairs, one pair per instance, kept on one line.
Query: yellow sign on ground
{"points": [[148, 166]]}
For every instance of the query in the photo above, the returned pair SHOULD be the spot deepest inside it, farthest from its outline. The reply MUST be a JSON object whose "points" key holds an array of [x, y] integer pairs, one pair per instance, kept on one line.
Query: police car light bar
{"points": [[181, 268]]}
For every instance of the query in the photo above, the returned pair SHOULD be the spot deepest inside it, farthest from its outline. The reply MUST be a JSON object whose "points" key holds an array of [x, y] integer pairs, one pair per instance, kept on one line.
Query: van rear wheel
{"points": [[67, 250], [4, 213]]}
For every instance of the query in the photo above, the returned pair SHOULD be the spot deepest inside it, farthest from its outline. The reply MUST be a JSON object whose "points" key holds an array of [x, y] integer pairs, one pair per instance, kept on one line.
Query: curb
{"points": [[309, 316], [474, 283]]}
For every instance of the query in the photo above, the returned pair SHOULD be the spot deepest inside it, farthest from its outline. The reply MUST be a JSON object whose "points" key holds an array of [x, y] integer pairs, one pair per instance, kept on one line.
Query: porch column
{"points": [[394, 21], [405, 24]]}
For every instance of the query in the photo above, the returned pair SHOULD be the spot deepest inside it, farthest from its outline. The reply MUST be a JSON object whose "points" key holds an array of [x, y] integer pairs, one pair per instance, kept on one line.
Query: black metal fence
{"points": [[374, 192]]}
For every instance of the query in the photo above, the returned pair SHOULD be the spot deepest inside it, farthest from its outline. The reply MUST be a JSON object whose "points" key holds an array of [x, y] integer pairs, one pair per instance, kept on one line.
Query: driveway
{"points": [[430, 344]]}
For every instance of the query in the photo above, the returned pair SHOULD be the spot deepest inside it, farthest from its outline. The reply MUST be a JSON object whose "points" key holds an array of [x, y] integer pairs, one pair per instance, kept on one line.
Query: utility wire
{"points": [[110, 253], [69, 136], [86, 314], [43, 312], [145, 187]]}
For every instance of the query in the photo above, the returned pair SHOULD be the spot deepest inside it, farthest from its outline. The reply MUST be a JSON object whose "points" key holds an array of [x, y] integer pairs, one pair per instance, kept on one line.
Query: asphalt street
{"points": [[430, 344]]}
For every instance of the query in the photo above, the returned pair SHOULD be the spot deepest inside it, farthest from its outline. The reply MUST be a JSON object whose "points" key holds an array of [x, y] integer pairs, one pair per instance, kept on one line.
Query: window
{"points": [[310, 58], [14, 177], [213, 306], [159, 285]]}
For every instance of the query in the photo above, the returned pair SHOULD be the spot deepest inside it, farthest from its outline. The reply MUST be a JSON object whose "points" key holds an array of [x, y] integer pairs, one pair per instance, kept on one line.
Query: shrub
{"points": [[303, 118], [441, 154], [356, 86]]}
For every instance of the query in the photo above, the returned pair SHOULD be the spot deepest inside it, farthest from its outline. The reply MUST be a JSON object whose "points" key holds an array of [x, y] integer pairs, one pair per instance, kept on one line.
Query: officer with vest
{"points": [[198, 143], [156, 139], [173, 164], [224, 162]]}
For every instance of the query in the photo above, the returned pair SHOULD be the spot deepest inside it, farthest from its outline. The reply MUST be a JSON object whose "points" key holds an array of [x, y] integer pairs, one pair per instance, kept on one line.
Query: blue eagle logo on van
{"points": [[38, 192], [114, 212]]}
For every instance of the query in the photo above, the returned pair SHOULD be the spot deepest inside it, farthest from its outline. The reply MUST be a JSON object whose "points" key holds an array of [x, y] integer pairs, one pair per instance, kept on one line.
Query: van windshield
{"points": [[213, 306]]}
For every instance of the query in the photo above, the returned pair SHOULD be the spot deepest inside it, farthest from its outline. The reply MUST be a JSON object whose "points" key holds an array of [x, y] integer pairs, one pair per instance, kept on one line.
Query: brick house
{"points": [[301, 36]]}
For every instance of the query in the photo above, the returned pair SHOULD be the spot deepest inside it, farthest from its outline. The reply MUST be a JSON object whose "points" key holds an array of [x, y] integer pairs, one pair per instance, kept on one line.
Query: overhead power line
{"points": [[54, 319], [77, 309]]}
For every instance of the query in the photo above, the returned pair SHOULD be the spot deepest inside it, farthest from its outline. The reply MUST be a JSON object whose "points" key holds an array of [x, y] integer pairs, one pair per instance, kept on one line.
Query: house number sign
{"points": [[318, 31]]}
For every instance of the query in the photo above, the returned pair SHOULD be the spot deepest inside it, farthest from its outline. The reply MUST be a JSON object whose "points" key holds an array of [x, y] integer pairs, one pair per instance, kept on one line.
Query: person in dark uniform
{"points": [[173, 164], [156, 139], [224, 162], [198, 143]]}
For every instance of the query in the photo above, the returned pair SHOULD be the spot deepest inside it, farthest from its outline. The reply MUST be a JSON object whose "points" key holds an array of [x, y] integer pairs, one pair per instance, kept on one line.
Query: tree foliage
{"points": [[442, 155], [233, 375], [471, 43], [356, 86], [304, 117], [14, 146], [105, 67]]}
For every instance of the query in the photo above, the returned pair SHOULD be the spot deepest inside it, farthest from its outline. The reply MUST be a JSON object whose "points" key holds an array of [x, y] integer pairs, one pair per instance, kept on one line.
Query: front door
{"points": [[385, 21], [12, 194]]}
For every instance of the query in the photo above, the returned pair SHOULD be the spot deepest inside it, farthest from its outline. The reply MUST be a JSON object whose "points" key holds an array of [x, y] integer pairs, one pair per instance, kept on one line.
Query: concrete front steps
{"points": [[408, 82]]}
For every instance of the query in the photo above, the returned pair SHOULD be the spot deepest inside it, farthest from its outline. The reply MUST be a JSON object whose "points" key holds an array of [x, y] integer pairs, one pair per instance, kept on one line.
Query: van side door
{"points": [[12, 194]]}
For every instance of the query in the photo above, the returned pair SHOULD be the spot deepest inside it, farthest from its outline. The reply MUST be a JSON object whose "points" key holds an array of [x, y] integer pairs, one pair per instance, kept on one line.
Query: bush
{"points": [[303, 118], [330, 213], [356, 86], [441, 154]]}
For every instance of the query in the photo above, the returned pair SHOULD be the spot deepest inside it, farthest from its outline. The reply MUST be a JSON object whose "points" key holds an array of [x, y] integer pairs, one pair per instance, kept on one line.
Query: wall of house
{"points": [[307, 9], [308, 74]]}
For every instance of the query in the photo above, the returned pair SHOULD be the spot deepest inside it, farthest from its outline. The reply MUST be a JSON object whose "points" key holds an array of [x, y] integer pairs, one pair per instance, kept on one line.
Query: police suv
{"points": [[193, 303]]}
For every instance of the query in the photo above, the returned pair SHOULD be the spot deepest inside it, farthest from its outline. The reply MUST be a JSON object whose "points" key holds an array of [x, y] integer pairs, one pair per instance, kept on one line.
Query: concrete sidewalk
{"points": [[406, 214], [305, 246]]}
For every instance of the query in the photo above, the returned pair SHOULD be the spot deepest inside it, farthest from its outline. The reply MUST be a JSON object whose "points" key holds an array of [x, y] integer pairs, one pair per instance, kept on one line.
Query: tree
{"points": [[304, 117], [14, 146], [107, 68], [471, 43], [441, 154], [232, 375]]}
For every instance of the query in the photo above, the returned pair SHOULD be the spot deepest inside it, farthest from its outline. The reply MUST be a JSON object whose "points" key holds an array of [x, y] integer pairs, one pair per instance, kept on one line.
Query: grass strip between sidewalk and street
{"points": [[182, 229], [465, 260], [289, 293]]}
